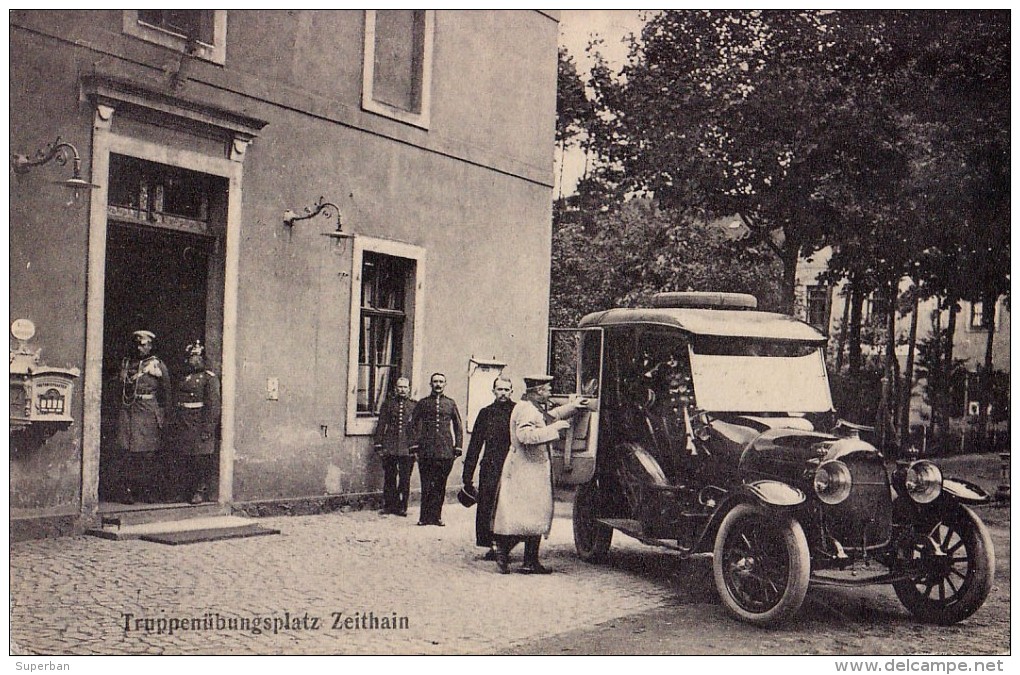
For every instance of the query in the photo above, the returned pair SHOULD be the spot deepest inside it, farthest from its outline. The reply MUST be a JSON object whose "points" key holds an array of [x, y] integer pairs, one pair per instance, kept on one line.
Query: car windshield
{"points": [[759, 376]]}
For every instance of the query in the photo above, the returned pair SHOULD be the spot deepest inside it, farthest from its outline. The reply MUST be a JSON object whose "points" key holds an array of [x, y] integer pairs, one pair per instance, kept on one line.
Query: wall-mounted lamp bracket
{"points": [[60, 151], [327, 209]]}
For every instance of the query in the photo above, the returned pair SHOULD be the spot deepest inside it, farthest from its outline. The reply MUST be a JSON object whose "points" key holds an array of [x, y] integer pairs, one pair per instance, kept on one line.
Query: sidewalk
{"points": [[356, 573]]}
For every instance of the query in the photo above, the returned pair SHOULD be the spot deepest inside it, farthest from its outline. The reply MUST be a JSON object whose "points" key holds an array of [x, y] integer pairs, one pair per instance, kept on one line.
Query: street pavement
{"points": [[356, 572], [339, 583]]}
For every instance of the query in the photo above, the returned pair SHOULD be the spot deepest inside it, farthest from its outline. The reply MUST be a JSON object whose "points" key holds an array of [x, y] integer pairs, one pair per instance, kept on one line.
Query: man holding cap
{"points": [[145, 392], [524, 503], [492, 432]]}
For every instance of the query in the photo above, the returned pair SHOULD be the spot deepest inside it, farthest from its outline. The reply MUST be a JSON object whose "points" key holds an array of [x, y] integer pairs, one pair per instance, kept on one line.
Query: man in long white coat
{"points": [[524, 502]]}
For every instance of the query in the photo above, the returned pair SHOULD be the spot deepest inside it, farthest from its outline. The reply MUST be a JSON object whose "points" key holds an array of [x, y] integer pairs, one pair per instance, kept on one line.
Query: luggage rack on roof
{"points": [[704, 300]]}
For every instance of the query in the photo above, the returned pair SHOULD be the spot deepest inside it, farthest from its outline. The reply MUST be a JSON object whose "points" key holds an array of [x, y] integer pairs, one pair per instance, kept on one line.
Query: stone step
{"points": [[135, 531], [137, 514]]}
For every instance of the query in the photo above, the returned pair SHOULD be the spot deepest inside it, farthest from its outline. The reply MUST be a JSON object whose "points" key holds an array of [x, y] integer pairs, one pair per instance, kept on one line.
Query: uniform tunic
{"points": [[146, 388], [198, 413], [394, 432], [434, 417], [524, 502]]}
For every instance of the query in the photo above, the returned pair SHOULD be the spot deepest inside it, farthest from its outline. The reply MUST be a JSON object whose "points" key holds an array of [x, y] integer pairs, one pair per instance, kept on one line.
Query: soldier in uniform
{"points": [[439, 435], [195, 424], [393, 444], [145, 393], [492, 432]]}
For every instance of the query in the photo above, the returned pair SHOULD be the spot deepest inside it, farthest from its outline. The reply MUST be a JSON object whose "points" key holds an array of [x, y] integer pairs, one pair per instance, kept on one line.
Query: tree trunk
{"points": [[841, 344], [988, 314], [908, 376], [886, 421], [854, 350], [935, 373], [945, 397], [790, 256]]}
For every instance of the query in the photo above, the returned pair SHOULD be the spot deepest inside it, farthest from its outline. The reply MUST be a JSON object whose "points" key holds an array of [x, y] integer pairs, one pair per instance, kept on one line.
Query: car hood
{"points": [[775, 447]]}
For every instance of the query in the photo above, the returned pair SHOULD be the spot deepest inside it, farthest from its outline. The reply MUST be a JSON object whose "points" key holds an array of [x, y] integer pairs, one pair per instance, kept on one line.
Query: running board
{"points": [[887, 578], [633, 528]]}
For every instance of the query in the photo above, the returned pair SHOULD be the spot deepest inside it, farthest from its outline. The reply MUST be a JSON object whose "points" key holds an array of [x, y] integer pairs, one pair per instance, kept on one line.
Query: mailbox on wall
{"points": [[39, 393]]}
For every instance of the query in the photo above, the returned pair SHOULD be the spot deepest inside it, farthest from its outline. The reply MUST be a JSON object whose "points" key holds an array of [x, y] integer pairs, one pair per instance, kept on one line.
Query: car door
{"points": [[575, 362]]}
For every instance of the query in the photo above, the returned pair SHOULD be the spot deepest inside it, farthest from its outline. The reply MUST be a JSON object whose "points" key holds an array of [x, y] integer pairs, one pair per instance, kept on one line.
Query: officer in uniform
{"points": [[393, 444], [439, 436], [145, 393], [197, 418], [492, 432]]}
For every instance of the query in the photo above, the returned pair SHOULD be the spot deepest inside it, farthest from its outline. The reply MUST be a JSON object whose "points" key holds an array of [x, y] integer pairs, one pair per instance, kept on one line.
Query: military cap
{"points": [[532, 381]]}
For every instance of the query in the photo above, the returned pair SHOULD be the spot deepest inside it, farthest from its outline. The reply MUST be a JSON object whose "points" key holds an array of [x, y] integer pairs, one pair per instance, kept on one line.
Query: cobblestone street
{"points": [[72, 595]]}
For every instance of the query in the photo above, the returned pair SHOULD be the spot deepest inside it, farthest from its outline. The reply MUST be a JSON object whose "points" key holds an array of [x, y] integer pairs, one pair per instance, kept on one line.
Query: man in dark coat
{"points": [[393, 443], [492, 432], [197, 418], [145, 393], [439, 436]]}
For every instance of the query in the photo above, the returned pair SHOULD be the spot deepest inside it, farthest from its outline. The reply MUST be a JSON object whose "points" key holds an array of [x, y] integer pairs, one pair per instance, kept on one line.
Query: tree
{"points": [[950, 71], [625, 255], [755, 113], [574, 112]]}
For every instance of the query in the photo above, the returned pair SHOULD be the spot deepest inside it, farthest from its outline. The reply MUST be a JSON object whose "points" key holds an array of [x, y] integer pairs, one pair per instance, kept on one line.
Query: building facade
{"points": [[420, 140]]}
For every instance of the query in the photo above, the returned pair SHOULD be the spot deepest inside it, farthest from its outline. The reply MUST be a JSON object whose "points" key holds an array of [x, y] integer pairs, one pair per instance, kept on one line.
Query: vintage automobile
{"points": [[709, 429]]}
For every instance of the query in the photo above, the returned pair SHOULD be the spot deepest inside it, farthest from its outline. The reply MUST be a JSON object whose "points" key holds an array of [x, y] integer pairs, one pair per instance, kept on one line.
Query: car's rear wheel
{"points": [[761, 565], [955, 561], [592, 539]]}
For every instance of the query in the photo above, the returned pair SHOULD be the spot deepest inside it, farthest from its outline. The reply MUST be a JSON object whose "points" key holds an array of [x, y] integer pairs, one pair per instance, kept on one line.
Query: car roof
{"points": [[713, 322]]}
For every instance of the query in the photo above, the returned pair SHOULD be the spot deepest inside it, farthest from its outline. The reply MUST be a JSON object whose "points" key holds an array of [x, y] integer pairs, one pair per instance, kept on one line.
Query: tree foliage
{"points": [[622, 257], [574, 112], [756, 113]]}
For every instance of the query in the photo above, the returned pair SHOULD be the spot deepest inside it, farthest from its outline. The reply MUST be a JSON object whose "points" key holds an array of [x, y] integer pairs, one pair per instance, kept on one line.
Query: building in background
{"points": [[209, 135], [824, 306]]}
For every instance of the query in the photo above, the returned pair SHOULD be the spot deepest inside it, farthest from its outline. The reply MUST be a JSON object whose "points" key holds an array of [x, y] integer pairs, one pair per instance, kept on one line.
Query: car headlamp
{"points": [[833, 481], [923, 481]]}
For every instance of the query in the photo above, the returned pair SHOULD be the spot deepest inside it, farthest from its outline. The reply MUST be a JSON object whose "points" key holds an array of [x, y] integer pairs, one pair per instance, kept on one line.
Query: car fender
{"points": [[772, 495], [964, 491]]}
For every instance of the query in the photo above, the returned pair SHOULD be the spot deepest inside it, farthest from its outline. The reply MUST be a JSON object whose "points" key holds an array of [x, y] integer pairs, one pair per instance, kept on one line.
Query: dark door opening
{"points": [[157, 279]]}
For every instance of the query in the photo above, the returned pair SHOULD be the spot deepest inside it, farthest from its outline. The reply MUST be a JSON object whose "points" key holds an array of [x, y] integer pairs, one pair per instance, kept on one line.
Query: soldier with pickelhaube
{"points": [[196, 420], [145, 393]]}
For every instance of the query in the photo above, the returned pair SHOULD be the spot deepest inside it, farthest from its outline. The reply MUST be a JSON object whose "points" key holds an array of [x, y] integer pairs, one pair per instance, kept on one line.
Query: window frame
{"points": [[977, 308], [214, 53], [364, 424], [820, 289], [369, 103], [380, 316]]}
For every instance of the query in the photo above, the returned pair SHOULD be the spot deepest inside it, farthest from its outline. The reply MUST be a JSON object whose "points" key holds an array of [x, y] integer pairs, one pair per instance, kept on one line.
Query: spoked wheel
{"points": [[761, 565], [954, 559], [592, 539]]}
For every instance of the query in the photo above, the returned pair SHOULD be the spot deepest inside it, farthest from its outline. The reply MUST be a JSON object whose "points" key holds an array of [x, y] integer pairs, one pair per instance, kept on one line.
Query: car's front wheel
{"points": [[954, 559], [761, 565], [592, 539]]}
